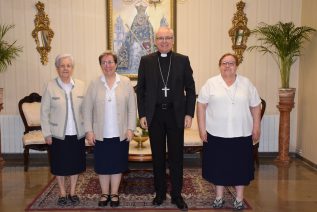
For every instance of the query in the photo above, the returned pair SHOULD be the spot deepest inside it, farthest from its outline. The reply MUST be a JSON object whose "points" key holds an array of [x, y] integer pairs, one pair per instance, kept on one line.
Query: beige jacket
{"points": [[94, 107], [54, 109]]}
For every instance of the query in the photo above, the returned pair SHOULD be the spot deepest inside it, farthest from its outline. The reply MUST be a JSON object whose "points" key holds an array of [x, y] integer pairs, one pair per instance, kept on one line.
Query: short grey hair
{"points": [[169, 29], [62, 56]]}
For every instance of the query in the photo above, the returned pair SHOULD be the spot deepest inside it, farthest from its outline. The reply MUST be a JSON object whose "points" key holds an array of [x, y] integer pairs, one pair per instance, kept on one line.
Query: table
{"points": [[140, 155], [192, 144]]}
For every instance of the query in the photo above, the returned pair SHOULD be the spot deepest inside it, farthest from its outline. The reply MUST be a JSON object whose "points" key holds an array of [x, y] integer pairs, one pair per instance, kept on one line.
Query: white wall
{"points": [[79, 28], [307, 116], [202, 33]]}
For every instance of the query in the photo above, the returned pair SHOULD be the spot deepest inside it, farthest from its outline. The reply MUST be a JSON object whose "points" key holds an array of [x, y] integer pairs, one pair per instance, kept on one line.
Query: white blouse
{"points": [[111, 127], [70, 126], [228, 107]]}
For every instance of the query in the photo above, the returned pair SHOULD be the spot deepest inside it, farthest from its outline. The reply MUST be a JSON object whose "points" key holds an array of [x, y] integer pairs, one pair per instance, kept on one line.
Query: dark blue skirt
{"points": [[68, 157], [111, 156], [228, 161]]}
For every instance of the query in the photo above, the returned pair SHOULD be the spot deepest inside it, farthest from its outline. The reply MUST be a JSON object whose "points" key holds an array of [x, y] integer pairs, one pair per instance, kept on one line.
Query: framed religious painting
{"points": [[131, 27]]}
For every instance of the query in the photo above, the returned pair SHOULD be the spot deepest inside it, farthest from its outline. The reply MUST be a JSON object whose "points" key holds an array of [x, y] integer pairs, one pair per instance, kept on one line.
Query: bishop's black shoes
{"points": [[158, 200], [180, 203]]}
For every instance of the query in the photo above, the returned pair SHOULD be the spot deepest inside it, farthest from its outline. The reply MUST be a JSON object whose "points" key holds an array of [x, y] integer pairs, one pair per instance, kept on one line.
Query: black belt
{"points": [[164, 106]]}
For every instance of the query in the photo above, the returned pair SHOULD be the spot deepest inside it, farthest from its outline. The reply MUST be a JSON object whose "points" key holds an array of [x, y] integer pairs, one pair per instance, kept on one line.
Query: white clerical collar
{"points": [[163, 54]]}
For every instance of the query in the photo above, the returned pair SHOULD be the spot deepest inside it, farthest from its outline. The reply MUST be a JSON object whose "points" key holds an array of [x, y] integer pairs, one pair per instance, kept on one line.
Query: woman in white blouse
{"points": [[63, 128], [228, 114], [110, 119]]}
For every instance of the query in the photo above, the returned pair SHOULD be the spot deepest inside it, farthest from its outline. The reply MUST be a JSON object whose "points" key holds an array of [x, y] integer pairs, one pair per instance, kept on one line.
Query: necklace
{"points": [[108, 96], [232, 93], [165, 89], [109, 89]]}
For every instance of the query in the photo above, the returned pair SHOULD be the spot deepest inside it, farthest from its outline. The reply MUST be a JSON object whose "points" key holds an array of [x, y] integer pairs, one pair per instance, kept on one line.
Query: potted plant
{"points": [[284, 42], [8, 52]]}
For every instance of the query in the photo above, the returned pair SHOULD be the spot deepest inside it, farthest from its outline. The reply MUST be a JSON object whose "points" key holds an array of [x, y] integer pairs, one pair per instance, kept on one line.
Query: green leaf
{"points": [[8, 52], [284, 42]]}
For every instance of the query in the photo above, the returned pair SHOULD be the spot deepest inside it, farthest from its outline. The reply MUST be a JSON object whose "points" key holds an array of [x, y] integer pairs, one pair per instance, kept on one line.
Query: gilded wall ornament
{"points": [[42, 33], [239, 32]]}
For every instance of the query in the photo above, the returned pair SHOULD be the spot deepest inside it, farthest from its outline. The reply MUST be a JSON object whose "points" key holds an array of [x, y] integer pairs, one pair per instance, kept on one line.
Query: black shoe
{"points": [[114, 203], [62, 201], [180, 203], [103, 203], [74, 200], [158, 200]]}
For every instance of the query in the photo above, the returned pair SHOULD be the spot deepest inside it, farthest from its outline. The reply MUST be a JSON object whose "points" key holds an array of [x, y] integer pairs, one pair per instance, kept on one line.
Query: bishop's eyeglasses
{"points": [[167, 38]]}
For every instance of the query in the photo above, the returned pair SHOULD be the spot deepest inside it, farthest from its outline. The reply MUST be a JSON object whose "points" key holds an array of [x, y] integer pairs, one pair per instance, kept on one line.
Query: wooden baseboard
{"points": [[275, 154], [310, 163]]}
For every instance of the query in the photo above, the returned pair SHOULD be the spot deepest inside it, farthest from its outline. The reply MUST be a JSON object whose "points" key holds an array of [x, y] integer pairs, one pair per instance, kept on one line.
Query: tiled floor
{"points": [[275, 189]]}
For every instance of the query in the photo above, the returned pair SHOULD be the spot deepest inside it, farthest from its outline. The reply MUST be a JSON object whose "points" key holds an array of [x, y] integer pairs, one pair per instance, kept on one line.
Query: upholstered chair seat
{"points": [[29, 108], [33, 137], [191, 137], [192, 141], [32, 115]]}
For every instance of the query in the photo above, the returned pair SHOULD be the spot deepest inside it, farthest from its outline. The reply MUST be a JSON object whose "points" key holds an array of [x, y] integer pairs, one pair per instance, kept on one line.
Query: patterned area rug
{"points": [[136, 192]]}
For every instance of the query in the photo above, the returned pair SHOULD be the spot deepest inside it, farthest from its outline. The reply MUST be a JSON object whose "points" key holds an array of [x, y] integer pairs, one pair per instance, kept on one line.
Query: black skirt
{"points": [[228, 161], [68, 156], [111, 156]]}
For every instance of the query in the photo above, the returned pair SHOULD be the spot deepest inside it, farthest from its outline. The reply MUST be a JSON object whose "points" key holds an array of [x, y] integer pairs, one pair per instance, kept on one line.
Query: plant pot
{"points": [[285, 106]]}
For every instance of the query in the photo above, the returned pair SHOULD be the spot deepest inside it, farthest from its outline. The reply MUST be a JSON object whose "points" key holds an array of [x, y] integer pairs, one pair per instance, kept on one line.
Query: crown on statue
{"points": [[140, 8]]}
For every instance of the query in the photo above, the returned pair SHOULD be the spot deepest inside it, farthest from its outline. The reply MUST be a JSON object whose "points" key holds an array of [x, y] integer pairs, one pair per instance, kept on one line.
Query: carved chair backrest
{"points": [[29, 108], [263, 107]]}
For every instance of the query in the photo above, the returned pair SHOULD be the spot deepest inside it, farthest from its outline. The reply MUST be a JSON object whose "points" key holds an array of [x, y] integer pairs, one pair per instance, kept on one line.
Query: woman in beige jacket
{"points": [[63, 128], [110, 119]]}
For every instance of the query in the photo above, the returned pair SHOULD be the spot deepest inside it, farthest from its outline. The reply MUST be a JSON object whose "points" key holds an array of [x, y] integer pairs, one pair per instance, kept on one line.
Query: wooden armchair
{"points": [[256, 143], [29, 108]]}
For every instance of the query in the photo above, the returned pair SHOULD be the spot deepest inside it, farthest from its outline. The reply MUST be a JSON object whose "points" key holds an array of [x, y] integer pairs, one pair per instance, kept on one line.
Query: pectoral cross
{"points": [[165, 89]]}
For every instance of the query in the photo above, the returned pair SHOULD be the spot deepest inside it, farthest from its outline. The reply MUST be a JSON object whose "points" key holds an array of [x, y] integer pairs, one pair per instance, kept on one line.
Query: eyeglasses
{"points": [[107, 62], [66, 66], [169, 38], [226, 63]]}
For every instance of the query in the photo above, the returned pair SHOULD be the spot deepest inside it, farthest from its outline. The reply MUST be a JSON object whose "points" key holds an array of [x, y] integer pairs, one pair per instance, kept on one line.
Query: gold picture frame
{"points": [[131, 26]]}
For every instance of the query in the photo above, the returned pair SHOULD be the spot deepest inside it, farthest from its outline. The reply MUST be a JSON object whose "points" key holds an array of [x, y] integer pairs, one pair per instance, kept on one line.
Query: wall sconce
{"points": [[239, 32], [42, 33]]}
